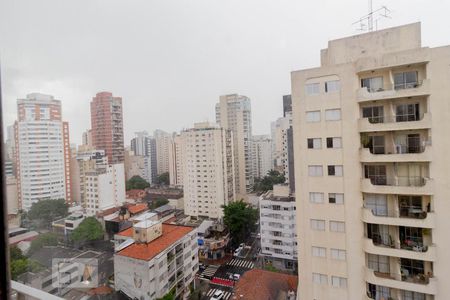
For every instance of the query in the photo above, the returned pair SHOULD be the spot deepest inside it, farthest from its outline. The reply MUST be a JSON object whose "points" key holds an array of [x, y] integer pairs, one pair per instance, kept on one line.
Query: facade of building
{"points": [[134, 165], [176, 161], [371, 187], [262, 153], [233, 112], [280, 147], [160, 257], [287, 105], [42, 151], [86, 139], [145, 146], [208, 170], [104, 189], [278, 228], [107, 126], [88, 160], [162, 142]]}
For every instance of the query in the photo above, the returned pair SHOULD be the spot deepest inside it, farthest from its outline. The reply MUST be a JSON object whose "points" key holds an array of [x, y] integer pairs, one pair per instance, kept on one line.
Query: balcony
{"points": [[389, 91], [398, 185], [393, 123], [428, 221], [397, 251], [419, 284], [22, 291], [421, 154]]}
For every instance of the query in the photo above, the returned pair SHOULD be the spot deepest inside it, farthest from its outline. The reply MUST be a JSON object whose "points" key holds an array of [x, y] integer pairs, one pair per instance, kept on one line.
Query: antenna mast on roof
{"points": [[365, 23]]}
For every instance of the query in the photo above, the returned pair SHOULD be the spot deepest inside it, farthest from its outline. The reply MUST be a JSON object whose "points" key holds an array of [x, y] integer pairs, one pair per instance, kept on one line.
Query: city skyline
{"points": [[177, 62]]}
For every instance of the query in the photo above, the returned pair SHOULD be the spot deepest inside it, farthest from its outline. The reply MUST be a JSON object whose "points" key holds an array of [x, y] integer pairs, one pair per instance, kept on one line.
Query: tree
{"points": [[137, 183], [15, 253], [89, 230], [240, 218], [47, 211], [18, 267], [45, 239], [169, 296], [163, 179], [157, 203], [266, 183]]}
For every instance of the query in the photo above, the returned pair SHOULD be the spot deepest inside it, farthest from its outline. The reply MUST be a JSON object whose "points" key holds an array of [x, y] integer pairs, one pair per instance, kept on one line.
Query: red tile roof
{"points": [[260, 284], [170, 234], [127, 232], [137, 208]]}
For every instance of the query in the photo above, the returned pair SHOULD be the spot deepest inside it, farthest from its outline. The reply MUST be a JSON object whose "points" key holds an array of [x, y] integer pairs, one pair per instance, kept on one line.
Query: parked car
{"points": [[218, 295], [202, 267], [237, 251], [234, 277]]}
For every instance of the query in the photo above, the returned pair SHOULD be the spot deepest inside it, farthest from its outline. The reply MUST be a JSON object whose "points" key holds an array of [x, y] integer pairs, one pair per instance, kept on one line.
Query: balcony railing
{"points": [[395, 86], [405, 276], [397, 180]]}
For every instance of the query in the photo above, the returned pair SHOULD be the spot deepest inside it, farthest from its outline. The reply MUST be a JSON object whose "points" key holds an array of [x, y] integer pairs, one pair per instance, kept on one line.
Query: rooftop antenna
{"points": [[365, 23]]}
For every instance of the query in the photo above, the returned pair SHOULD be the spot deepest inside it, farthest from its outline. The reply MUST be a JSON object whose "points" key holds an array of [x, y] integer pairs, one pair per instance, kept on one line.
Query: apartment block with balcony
{"points": [[156, 259], [278, 228], [372, 168]]}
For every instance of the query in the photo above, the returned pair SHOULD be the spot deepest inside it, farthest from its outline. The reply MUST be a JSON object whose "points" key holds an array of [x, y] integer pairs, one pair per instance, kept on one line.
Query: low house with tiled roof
{"points": [[259, 284], [136, 195], [154, 259]]}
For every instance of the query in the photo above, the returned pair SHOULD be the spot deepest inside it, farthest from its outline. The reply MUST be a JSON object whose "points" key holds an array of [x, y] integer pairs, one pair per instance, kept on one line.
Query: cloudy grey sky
{"points": [[170, 60]]}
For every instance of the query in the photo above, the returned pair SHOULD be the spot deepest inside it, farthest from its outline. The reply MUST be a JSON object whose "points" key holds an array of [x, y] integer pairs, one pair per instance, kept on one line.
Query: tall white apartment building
{"points": [[279, 131], [176, 160], [88, 160], [372, 167], [105, 188], [162, 140], [144, 145], [233, 112], [208, 170], [42, 151], [262, 153], [155, 259], [278, 227]]}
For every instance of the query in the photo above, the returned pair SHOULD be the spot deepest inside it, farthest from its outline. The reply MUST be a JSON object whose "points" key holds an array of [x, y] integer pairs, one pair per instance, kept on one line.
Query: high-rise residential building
{"points": [[162, 140], [287, 105], [155, 259], [279, 131], [88, 160], [145, 146], [278, 229], [107, 126], [105, 188], [74, 176], [262, 147], [233, 112], [42, 151], [176, 160], [87, 138], [208, 170], [134, 165], [371, 161]]}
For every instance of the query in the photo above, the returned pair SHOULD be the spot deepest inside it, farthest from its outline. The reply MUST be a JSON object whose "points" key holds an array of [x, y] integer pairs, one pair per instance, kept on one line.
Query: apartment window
{"points": [[312, 89], [315, 171], [333, 114], [315, 143], [407, 112], [334, 170], [336, 226], [315, 197], [339, 282], [378, 263], [375, 114], [335, 198], [409, 295], [334, 142], [373, 84], [319, 251], [338, 254], [332, 86], [319, 278], [313, 116], [405, 80], [317, 225]]}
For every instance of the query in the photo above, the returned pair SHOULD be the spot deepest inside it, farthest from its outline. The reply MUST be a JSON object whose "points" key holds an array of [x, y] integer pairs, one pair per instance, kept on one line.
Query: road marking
{"points": [[226, 295]]}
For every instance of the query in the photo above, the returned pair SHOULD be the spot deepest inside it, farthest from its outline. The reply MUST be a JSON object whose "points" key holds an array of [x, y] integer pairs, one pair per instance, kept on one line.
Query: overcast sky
{"points": [[170, 60]]}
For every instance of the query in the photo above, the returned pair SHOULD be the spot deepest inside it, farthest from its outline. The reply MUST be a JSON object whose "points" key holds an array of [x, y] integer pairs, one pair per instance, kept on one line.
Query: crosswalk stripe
{"points": [[210, 292]]}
